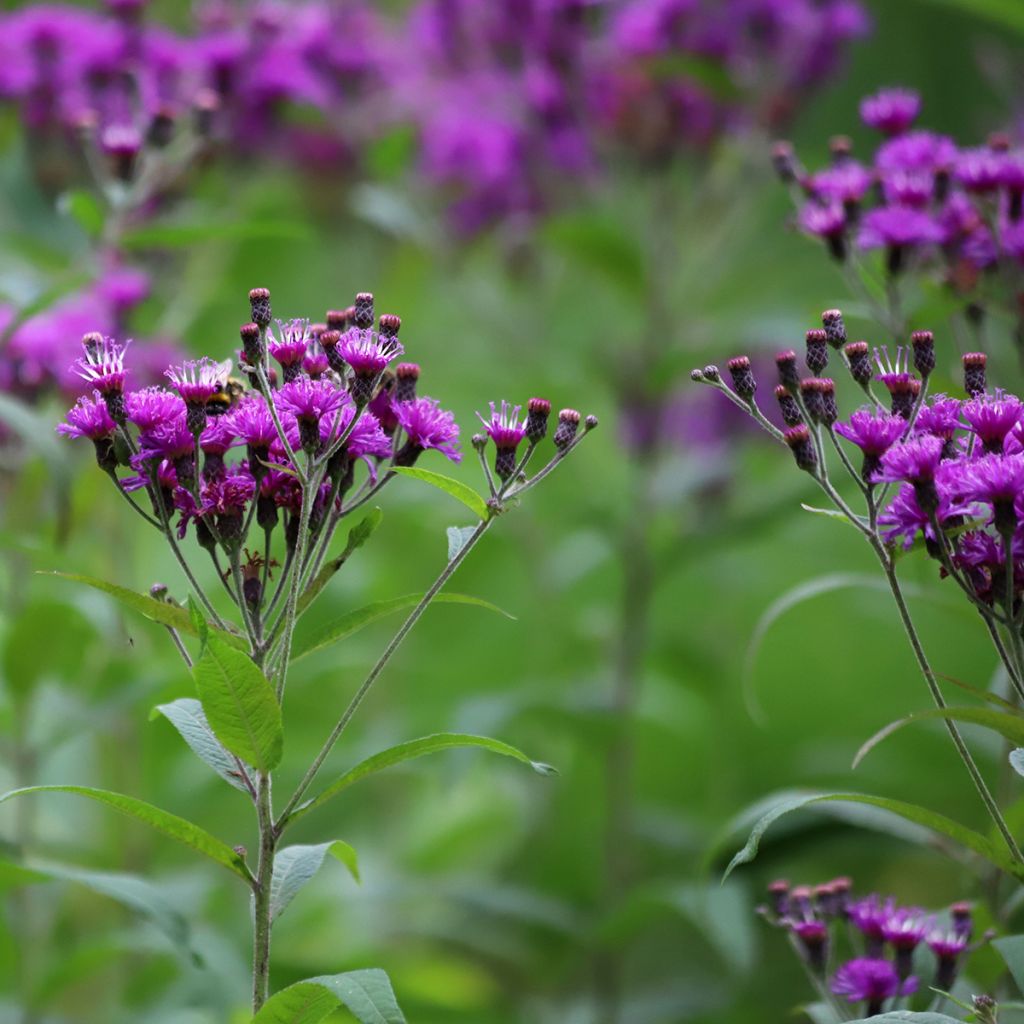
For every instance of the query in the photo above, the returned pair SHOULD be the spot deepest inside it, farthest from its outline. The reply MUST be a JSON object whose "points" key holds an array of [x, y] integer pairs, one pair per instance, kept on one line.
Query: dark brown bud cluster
{"points": [[817, 351], [742, 377]]}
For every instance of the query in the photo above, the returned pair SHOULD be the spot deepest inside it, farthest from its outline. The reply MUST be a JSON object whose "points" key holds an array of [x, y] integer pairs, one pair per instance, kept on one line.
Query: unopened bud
{"points": [[568, 424], [479, 442], [158, 591], [389, 325], [784, 162], [788, 406], [923, 343], [590, 422], [742, 377], [789, 376], [337, 319], [835, 328], [537, 412], [711, 373], [812, 395], [859, 357], [817, 351], [697, 376], [251, 347], [363, 310], [406, 377], [802, 447], [974, 373], [259, 301]]}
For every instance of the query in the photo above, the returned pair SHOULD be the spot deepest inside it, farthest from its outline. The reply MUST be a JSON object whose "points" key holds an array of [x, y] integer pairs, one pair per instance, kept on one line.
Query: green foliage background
{"points": [[484, 892]]}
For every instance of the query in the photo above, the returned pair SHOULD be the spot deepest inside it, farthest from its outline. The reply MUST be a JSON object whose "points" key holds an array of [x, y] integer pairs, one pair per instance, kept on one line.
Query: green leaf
{"points": [[367, 995], [163, 821], [202, 627], [156, 611], [831, 513], [240, 705], [355, 620], [83, 207], [458, 536], [937, 823], [357, 537], [456, 488], [1007, 725], [412, 749], [135, 893], [985, 695], [1011, 949], [187, 716], [294, 866]]}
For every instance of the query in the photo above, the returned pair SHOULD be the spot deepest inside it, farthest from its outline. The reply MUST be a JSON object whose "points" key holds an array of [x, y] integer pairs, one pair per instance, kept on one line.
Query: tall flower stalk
{"points": [[957, 467], [266, 521]]}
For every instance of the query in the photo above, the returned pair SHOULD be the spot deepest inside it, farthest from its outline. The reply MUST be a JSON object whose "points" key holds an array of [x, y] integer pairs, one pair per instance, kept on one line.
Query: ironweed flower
{"points": [[872, 981]]}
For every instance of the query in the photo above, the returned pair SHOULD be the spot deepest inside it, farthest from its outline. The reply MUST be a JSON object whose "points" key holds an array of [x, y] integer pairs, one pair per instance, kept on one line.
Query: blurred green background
{"points": [[492, 895]]}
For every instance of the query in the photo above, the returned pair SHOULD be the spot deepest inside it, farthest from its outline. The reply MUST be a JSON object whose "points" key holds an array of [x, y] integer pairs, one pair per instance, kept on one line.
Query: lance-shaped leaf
{"points": [[157, 611], [163, 821], [937, 823], [186, 715], [908, 1017], [352, 622], [240, 704], [367, 995], [135, 893], [294, 866], [456, 488], [1011, 726], [412, 749], [357, 537]]}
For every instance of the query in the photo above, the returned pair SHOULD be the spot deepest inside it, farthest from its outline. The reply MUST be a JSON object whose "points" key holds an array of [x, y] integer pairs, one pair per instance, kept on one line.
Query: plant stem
{"points": [[936, 693], [378, 667], [261, 896]]}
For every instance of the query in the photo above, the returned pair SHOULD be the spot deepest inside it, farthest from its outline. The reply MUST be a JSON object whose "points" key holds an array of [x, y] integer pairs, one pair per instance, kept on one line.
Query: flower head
{"points": [[252, 422], [151, 408], [368, 352], [993, 417], [102, 366], [289, 349], [310, 400], [873, 432], [198, 380], [939, 417], [504, 428], [914, 461], [871, 980], [891, 111], [898, 226], [427, 426], [88, 417]]}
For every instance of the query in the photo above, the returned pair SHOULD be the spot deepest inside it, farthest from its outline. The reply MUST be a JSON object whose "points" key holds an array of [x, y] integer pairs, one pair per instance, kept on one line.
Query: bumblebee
{"points": [[227, 397]]}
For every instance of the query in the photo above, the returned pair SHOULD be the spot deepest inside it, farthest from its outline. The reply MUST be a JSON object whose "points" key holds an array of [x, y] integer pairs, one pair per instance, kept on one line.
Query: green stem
{"points": [[393, 645], [261, 896]]}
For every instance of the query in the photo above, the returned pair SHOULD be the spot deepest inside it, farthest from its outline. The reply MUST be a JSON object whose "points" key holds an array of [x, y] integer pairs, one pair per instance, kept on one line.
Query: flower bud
{"points": [[778, 893], [158, 591], [788, 406], [710, 373], [363, 310], [742, 377], [789, 376], [259, 302], [697, 376], [251, 345], [802, 447], [590, 422], [817, 351], [974, 373], [835, 328], [903, 394], [923, 343], [812, 395], [859, 357], [829, 409], [337, 319], [406, 376], [784, 162], [565, 432], [479, 442], [389, 325], [537, 412]]}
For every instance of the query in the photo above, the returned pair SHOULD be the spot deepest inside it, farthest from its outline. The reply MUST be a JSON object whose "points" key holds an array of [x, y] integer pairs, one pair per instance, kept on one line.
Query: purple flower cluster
{"points": [[509, 100], [925, 201], [235, 73], [874, 940], [176, 441]]}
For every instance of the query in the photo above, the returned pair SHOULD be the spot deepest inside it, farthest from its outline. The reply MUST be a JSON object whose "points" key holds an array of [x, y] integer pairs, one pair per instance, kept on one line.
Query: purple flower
{"points": [[979, 170], [310, 400], [872, 981], [940, 417], [824, 220], [198, 380], [897, 226], [906, 927], [873, 432], [504, 428], [846, 182], [88, 417], [252, 422], [905, 518], [426, 426], [914, 461], [993, 417], [917, 151], [869, 915], [367, 352], [151, 408], [102, 366], [996, 480], [891, 111], [170, 440], [290, 348]]}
